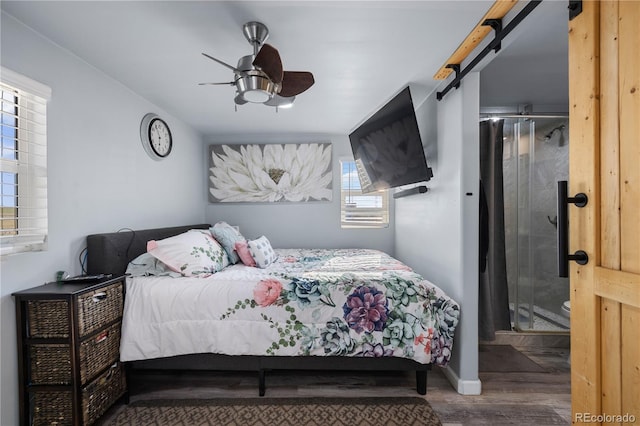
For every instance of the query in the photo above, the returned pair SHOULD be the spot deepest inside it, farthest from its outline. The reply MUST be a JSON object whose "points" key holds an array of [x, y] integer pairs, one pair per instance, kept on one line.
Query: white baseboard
{"points": [[463, 387]]}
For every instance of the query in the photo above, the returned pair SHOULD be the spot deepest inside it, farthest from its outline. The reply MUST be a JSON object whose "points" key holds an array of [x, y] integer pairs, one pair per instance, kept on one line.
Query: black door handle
{"points": [[580, 256]]}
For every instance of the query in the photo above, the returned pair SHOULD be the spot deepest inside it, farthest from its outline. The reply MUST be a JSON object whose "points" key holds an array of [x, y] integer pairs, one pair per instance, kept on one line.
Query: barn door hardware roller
{"points": [[580, 256], [496, 24], [495, 45]]}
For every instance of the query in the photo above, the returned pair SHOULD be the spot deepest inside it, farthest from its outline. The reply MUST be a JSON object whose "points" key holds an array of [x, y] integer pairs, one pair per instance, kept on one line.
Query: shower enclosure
{"points": [[535, 158]]}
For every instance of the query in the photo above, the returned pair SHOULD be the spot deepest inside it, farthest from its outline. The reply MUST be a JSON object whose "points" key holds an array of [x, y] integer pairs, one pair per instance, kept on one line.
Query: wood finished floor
{"points": [[507, 398]]}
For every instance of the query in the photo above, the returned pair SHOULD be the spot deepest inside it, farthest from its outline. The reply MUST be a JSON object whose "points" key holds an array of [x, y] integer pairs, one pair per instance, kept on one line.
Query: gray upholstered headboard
{"points": [[111, 253]]}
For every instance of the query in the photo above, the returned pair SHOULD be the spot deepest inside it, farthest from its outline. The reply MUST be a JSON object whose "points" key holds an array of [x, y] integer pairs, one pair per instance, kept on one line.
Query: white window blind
{"points": [[360, 210], [23, 164]]}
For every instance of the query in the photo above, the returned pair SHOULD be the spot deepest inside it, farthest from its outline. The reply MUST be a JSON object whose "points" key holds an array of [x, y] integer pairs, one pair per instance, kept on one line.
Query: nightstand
{"points": [[68, 351]]}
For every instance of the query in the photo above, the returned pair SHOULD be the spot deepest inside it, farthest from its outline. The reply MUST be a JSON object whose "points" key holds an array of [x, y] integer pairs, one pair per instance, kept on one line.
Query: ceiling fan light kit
{"points": [[255, 88], [260, 78]]}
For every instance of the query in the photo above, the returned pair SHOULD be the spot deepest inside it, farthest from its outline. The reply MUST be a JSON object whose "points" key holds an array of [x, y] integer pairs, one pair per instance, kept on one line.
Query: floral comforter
{"points": [[346, 302]]}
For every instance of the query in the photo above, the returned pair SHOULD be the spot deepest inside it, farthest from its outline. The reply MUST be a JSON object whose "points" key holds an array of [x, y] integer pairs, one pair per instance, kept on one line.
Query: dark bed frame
{"points": [[110, 253]]}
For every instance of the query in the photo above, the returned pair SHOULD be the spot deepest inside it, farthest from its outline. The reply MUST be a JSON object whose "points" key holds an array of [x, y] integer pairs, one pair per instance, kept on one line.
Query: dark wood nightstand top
{"points": [[60, 288]]}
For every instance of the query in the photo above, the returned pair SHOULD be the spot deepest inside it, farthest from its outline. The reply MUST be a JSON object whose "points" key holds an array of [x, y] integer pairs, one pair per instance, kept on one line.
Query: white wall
{"points": [[437, 232], [299, 225], [100, 179]]}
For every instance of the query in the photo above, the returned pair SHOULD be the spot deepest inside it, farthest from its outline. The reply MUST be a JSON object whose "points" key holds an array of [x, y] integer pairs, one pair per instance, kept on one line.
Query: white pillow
{"points": [[193, 253], [262, 252]]}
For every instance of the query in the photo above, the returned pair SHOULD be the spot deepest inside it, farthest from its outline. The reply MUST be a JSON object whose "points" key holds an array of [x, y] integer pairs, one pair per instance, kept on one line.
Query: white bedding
{"points": [[165, 316], [310, 302]]}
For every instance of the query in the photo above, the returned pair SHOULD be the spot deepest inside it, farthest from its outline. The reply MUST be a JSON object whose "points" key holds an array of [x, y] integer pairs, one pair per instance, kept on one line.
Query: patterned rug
{"points": [[279, 411]]}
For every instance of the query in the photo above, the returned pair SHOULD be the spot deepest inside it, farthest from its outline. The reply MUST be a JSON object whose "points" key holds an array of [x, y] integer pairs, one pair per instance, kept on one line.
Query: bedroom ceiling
{"points": [[361, 53], [533, 67]]}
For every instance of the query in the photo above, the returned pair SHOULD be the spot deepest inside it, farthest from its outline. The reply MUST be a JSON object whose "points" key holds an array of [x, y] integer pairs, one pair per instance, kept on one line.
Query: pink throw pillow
{"points": [[242, 248]]}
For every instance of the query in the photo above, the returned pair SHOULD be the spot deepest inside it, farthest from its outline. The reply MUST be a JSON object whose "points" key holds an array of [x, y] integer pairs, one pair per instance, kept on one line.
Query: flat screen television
{"points": [[387, 147]]}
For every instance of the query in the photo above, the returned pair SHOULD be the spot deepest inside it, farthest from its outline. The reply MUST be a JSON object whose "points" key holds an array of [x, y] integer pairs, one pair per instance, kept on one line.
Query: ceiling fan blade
{"points": [[239, 100], [268, 59], [295, 82], [232, 68], [280, 102], [229, 83]]}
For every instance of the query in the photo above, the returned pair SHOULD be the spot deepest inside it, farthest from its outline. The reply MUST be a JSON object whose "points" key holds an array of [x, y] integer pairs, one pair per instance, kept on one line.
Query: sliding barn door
{"points": [[604, 91]]}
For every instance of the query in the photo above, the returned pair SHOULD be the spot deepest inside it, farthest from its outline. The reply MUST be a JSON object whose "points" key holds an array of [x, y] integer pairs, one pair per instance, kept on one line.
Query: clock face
{"points": [[160, 137], [155, 137]]}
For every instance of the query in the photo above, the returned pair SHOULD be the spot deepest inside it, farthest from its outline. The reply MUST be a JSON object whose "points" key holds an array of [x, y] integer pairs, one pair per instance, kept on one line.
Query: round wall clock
{"points": [[155, 136]]}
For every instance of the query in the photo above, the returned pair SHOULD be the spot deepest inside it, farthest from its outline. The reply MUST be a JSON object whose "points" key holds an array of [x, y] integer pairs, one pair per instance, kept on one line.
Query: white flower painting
{"points": [[270, 173]]}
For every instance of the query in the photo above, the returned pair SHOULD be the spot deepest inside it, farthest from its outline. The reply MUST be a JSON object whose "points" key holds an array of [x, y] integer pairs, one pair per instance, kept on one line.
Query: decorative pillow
{"points": [[192, 253], [227, 236], [242, 248], [262, 252], [146, 265]]}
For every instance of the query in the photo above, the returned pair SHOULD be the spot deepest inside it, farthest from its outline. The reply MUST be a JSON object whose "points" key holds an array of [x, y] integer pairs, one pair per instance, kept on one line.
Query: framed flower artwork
{"points": [[270, 173]]}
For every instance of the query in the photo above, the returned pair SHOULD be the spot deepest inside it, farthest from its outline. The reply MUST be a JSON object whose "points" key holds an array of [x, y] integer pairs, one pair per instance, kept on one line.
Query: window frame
{"points": [[378, 216], [29, 165]]}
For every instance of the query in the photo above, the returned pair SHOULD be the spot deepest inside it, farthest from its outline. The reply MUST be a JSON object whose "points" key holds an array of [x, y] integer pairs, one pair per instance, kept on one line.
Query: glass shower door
{"points": [[536, 156]]}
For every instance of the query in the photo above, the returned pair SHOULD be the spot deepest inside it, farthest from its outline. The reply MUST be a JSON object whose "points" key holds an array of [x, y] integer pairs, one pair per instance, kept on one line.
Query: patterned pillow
{"points": [[193, 253], [227, 236], [242, 248], [146, 265], [262, 252]]}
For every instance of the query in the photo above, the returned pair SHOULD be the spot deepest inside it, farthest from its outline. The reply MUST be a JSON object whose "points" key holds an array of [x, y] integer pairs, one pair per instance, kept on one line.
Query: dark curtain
{"points": [[493, 312]]}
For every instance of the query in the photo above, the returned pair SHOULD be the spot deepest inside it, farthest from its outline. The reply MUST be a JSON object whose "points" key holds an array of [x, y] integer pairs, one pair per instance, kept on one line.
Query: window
{"points": [[360, 210], [23, 163]]}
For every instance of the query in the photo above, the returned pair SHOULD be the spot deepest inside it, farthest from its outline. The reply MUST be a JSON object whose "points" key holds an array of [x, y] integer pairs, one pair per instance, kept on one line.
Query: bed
{"points": [[301, 309]]}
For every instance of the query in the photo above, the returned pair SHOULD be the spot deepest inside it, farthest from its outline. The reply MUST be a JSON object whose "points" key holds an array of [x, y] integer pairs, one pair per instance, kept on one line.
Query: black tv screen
{"points": [[387, 147]]}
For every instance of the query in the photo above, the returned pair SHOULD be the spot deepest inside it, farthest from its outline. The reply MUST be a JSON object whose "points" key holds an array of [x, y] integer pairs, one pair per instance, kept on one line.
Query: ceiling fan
{"points": [[260, 78]]}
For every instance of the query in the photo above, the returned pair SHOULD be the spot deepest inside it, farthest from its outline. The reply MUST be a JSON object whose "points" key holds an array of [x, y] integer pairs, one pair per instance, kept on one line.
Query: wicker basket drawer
{"points": [[51, 363], [56, 408], [98, 352], [50, 318], [99, 307], [51, 408], [101, 393]]}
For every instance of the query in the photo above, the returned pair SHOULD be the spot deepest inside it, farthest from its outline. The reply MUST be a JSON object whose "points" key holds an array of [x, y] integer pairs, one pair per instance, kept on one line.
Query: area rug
{"points": [[505, 359], [279, 411]]}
